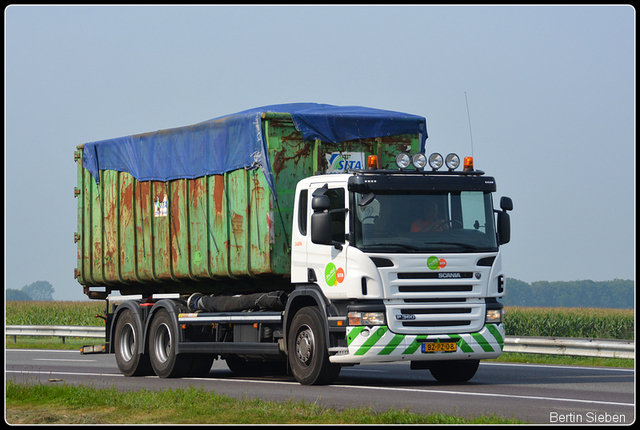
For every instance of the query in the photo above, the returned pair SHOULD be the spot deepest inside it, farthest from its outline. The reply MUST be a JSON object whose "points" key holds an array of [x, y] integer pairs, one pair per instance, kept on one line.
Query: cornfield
{"points": [[547, 322], [570, 322], [54, 313]]}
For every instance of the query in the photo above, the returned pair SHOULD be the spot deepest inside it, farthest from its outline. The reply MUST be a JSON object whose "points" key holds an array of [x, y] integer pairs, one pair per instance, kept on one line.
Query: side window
{"points": [[302, 212], [473, 210], [336, 199]]}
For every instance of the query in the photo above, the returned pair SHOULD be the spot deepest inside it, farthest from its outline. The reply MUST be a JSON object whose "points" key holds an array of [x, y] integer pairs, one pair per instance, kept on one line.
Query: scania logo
{"points": [[449, 275], [405, 317]]}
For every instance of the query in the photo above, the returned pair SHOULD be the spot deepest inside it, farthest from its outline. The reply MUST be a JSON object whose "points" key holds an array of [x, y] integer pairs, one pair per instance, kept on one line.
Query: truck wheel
{"points": [[307, 349], [126, 344], [454, 371], [162, 348]]}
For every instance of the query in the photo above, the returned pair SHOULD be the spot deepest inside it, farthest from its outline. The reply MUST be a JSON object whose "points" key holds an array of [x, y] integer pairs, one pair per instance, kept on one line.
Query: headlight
{"points": [[366, 318], [402, 160], [452, 161], [419, 161], [494, 316], [435, 161]]}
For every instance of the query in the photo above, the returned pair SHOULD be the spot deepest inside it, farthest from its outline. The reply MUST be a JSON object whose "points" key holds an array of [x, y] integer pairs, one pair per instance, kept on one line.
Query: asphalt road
{"points": [[529, 392]]}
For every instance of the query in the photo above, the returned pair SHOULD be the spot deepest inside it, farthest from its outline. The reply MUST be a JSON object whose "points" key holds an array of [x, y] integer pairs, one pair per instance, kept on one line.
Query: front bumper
{"points": [[378, 344]]}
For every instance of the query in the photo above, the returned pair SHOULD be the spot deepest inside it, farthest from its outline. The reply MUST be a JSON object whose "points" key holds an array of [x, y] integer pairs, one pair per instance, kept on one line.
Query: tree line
{"points": [[39, 291], [616, 294]]}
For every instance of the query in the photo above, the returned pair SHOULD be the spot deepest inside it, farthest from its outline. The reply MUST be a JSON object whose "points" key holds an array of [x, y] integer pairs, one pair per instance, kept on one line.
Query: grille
{"points": [[433, 288], [436, 311], [448, 323]]}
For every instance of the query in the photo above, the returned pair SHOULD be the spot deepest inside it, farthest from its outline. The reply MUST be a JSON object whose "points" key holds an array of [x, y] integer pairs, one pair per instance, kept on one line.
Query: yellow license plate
{"points": [[439, 347]]}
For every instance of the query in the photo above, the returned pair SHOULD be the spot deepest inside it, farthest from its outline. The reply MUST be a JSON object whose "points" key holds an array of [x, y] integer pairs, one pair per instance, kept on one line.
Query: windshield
{"points": [[447, 222]]}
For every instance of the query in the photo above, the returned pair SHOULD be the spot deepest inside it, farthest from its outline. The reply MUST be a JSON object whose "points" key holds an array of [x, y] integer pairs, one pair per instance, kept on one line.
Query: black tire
{"points": [[454, 371], [307, 349], [127, 338], [163, 338]]}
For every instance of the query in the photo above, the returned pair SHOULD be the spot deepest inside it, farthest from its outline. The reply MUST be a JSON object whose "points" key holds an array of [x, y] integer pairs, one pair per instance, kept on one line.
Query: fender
{"points": [[305, 295]]}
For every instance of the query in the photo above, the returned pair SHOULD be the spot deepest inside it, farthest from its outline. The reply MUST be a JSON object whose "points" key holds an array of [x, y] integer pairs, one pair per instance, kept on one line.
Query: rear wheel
{"points": [[307, 349], [127, 338], [454, 371], [163, 339]]}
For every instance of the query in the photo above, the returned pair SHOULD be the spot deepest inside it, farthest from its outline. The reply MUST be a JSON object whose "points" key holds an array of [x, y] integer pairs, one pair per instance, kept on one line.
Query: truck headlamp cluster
{"points": [[366, 318], [494, 316]]}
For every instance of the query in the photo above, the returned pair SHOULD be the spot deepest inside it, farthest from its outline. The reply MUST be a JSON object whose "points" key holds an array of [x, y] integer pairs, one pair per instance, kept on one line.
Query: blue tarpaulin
{"points": [[235, 141]]}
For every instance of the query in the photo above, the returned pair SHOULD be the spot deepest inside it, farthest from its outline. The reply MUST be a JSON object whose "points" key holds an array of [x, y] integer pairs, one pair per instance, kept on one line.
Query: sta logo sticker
{"points": [[434, 263], [333, 275]]}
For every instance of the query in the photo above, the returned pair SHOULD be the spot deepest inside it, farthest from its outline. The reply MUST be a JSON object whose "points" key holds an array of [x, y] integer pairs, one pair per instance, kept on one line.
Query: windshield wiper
{"points": [[460, 244], [399, 245]]}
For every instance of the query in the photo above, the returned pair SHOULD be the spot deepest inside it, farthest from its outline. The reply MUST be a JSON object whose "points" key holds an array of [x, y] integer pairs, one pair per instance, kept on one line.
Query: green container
{"points": [[213, 234]]}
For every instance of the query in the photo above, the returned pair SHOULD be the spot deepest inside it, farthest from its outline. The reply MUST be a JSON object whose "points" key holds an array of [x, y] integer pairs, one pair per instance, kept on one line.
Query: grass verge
{"points": [[69, 404]]}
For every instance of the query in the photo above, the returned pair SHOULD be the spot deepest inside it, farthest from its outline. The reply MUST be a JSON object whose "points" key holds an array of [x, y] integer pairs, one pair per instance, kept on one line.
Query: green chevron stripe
{"points": [[397, 339], [372, 340], [464, 346], [482, 342], [413, 347], [496, 333], [353, 334]]}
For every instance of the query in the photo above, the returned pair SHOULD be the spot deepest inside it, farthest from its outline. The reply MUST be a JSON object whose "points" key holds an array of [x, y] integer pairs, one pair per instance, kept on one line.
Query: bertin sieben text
{"points": [[587, 417]]}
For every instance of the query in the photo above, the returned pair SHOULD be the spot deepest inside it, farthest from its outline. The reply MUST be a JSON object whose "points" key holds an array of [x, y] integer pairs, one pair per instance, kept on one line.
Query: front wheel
{"points": [[163, 338], [454, 371], [307, 349]]}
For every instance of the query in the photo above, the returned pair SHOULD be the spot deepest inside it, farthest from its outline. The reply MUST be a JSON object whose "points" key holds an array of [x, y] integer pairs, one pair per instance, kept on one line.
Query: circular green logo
{"points": [[330, 275], [433, 263]]}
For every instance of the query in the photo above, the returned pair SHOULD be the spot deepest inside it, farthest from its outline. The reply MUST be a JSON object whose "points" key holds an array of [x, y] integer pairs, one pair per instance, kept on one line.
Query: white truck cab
{"points": [[415, 255]]}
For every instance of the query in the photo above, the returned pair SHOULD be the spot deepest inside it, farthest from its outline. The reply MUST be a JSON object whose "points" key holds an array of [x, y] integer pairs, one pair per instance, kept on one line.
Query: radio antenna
{"points": [[469, 119]]}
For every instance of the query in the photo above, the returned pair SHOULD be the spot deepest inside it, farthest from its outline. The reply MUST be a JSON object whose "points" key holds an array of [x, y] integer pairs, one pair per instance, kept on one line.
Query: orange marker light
{"points": [[372, 162], [468, 164]]}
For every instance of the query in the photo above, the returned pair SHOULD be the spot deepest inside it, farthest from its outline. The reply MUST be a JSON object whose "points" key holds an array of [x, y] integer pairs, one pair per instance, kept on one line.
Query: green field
{"points": [[570, 322]]}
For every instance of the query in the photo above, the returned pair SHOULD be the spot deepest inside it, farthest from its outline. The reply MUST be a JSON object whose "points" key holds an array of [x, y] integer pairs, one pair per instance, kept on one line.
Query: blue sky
{"points": [[551, 94]]}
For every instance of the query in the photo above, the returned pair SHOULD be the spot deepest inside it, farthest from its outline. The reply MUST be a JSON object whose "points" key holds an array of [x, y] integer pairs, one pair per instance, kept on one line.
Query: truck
{"points": [[291, 239]]}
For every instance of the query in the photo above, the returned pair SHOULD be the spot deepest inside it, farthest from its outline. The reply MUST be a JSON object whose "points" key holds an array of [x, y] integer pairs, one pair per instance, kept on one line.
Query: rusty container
{"points": [[213, 234]]}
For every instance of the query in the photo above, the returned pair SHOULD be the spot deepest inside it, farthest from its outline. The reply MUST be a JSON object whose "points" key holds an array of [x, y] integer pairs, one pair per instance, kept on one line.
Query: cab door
{"points": [[328, 261]]}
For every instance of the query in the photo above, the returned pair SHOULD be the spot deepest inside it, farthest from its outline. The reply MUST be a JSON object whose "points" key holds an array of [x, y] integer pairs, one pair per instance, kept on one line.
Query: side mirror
{"points": [[504, 228], [504, 220], [321, 220], [321, 228], [506, 204], [320, 203]]}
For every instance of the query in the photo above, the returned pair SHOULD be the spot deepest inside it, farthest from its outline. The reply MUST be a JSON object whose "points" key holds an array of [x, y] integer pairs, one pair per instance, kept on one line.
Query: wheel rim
{"points": [[127, 342], [305, 343], [163, 343]]}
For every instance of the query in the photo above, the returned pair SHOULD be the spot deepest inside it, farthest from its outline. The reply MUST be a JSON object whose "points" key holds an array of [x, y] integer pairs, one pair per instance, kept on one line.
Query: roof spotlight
{"points": [[435, 161], [452, 161], [419, 161], [402, 160]]}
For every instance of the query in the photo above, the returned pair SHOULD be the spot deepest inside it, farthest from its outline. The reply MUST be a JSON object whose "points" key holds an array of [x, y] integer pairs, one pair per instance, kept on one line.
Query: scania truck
{"points": [[296, 238]]}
